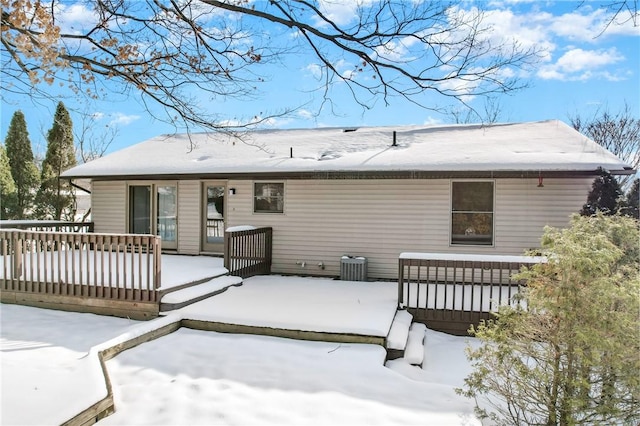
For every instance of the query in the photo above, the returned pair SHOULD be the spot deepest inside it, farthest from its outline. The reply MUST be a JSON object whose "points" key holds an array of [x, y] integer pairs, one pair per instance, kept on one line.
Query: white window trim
{"points": [[253, 197], [493, 214], [154, 202]]}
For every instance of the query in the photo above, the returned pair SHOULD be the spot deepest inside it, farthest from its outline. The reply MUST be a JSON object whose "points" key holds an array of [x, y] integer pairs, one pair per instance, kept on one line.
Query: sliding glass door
{"points": [[167, 215], [153, 209]]}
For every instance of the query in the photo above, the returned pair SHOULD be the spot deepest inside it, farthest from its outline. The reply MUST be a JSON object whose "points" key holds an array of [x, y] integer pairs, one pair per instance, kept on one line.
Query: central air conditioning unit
{"points": [[353, 268]]}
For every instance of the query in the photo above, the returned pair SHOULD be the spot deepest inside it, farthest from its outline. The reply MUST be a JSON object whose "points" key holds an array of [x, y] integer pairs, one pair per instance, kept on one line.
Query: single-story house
{"points": [[370, 191]]}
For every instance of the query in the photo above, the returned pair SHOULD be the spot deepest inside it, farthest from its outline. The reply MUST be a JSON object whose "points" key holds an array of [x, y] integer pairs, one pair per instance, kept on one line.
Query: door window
{"points": [[167, 213], [140, 209], [213, 225]]}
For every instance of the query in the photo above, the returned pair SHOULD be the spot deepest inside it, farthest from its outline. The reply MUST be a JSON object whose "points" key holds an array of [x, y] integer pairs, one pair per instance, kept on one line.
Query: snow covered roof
{"points": [[536, 146]]}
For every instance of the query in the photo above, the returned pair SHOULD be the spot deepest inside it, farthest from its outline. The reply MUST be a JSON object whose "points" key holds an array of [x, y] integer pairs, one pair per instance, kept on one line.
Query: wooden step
{"points": [[187, 296], [414, 352], [219, 272], [399, 332]]}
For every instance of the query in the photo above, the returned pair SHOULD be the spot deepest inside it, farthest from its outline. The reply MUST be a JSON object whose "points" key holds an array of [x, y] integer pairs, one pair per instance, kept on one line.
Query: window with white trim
{"points": [[472, 212], [268, 197]]}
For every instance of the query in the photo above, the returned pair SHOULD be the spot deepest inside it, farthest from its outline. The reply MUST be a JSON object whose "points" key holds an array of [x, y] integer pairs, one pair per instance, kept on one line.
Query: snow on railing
{"points": [[449, 284], [247, 250], [47, 225], [103, 266]]}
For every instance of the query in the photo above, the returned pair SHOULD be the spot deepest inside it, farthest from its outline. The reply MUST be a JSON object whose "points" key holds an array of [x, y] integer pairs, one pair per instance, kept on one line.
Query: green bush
{"points": [[569, 354]]}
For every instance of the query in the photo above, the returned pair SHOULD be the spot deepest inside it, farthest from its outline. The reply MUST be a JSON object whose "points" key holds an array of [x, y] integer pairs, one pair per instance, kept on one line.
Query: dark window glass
{"points": [[472, 213], [268, 197], [140, 209]]}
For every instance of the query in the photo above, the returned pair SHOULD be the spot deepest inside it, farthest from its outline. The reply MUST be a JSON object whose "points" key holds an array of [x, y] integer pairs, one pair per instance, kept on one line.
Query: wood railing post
{"points": [[17, 244], [400, 283], [248, 252]]}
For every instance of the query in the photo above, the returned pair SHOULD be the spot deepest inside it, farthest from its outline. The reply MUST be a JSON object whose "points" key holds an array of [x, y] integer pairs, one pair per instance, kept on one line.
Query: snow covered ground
{"points": [[194, 377], [198, 377], [46, 377]]}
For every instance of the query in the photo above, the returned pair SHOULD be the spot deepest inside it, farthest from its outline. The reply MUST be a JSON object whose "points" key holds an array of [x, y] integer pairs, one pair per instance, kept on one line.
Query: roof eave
{"points": [[359, 174]]}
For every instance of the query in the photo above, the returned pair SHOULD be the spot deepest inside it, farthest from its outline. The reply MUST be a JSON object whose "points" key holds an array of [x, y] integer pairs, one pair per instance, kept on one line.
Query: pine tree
{"points": [[604, 196], [568, 355], [55, 198], [7, 185], [632, 200], [23, 168]]}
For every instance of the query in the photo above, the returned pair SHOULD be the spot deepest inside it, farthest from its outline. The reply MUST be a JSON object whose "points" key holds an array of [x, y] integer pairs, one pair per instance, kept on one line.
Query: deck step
{"points": [[216, 273], [399, 332], [414, 352], [181, 298]]}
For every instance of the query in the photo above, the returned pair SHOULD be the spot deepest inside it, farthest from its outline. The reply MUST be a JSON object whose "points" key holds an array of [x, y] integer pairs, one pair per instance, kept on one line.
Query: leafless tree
{"points": [[92, 138], [182, 54], [621, 12], [618, 132], [490, 113]]}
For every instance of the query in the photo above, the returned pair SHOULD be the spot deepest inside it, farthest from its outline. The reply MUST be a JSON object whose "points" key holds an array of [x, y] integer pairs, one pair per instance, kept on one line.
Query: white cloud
{"points": [[74, 18], [123, 119], [315, 70], [528, 30], [305, 114], [587, 25], [579, 64], [341, 12], [429, 121]]}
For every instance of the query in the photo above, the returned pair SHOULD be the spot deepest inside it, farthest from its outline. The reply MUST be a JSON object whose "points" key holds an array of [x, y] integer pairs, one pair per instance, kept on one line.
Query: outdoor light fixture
{"points": [[232, 191], [540, 181]]}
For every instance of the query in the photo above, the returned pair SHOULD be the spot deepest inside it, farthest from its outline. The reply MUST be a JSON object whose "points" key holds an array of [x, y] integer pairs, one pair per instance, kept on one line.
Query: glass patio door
{"points": [[167, 215], [213, 226], [153, 210], [140, 209]]}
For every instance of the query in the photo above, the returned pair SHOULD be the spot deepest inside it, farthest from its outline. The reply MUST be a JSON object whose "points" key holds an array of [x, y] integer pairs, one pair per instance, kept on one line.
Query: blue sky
{"points": [[581, 71]]}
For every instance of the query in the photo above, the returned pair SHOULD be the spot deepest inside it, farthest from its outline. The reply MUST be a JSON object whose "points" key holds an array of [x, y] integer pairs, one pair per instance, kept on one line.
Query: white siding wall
{"points": [[109, 207], [189, 217], [379, 219]]}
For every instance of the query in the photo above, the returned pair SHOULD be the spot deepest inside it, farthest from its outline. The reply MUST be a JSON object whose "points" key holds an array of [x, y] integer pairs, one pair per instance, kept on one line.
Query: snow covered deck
{"points": [[310, 308], [51, 373]]}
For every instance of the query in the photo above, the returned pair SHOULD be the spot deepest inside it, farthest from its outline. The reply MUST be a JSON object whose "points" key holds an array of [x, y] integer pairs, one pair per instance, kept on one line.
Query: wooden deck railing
{"points": [[451, 291], [248, 252], [48, 225], [103, 266]]}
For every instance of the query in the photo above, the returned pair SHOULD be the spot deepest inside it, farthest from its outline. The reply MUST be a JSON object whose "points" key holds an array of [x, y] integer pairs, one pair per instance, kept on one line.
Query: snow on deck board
{"points": [[190, 293], [474, 257], [399, 330], [304, 304], [176, 270], [414, 352]]}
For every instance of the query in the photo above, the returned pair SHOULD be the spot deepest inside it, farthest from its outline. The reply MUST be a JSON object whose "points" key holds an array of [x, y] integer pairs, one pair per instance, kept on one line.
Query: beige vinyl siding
{"points": [[523, 209], [379, 219], [109, 206], [189, 195]]}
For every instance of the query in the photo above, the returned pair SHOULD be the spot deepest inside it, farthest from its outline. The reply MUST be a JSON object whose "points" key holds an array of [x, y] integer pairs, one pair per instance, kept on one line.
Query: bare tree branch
{"points": [[620, 13], [617, 132], [184, 55]]}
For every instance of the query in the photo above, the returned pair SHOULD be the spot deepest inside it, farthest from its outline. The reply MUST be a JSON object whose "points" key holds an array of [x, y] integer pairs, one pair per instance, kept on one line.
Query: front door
{"points": [[213, 216]]}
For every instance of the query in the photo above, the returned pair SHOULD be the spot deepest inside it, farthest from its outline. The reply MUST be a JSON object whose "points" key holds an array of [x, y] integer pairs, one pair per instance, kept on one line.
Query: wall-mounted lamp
{"points": [[540, 181], [232, 191]]}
